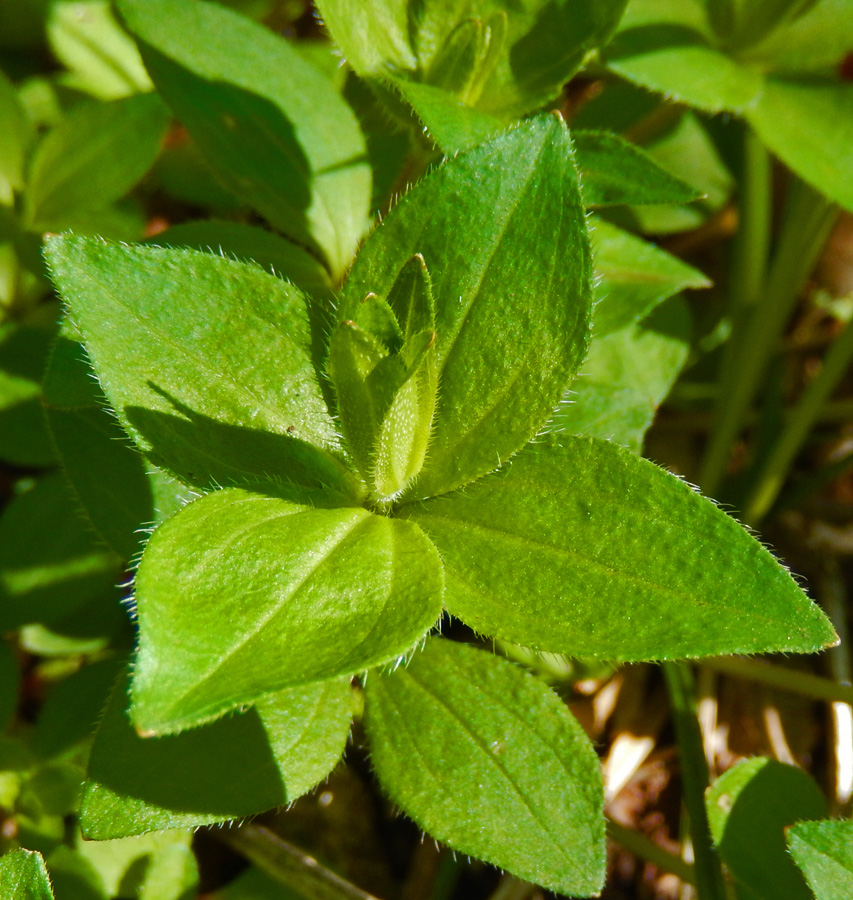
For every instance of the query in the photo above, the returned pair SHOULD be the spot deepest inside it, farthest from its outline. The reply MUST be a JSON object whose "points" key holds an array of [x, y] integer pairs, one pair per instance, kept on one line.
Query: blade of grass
{"points": [[791, 680], [646, 849]]}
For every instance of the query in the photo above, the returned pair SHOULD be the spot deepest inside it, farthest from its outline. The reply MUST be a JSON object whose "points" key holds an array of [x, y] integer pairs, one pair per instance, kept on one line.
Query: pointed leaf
{"points": [[276, 130], [824, 853], [503, 233], [209, 369], [580, 547], [265, 757], [488, 759], [273, 593], [412, 299], [23, 876]]}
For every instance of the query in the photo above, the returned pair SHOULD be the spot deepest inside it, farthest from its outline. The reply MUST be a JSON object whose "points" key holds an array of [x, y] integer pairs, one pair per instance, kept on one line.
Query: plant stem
{"points": [[290, 866], [808, 220], [771, 476], [694, 776], [646, 849], [791, 680]]}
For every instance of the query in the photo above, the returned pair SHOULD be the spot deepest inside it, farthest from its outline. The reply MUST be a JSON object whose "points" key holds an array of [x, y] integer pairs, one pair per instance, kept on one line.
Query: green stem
{"points": [[694, 775], [808, 220], [646, 849], [771, 476], [791, 680], [290, 866]]}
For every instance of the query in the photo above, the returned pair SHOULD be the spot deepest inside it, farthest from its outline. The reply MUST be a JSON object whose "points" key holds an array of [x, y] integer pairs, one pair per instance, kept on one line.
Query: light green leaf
{"points": [[275, 593], [103, 60], [626, 376], [265, 757], [614, 171], [10, 680], [679, 62], [503, 232], [749, 808], [209, 370], [274, 128], [24, 438], [50, 564], [23, 876], [15, 135], [579, 547], [824, 853], [487, 759], [808, 124], [94, 156], [633, 276], [507, 58]]}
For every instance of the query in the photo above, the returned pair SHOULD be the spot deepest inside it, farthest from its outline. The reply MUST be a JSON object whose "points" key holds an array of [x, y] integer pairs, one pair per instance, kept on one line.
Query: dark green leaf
{"points": [[15, 135], [23, 876], [10, 678], [274, 593], [824, 853], [579, 547], [209, 370], [808, 124], [50, 563], [749, 808], [275, 129], [241, 765], [486, 758], [615, 172], [95, 155], [503, 233]]}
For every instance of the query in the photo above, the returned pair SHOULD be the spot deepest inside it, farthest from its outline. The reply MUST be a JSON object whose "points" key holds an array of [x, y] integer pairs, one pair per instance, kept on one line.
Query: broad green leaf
{"points": [[487, 759], [503, 232], [24, 437], [255, 884], [10, 678], [23, 876], [95, 155], [264, 757], [824, 853], [740, 24], [52, 789], [15, 135], [74, 877], [507, 58], [808, 124], [121, 493], [274, 128], [50, 563], [274, 593], [626, 376], [679, 62], [579, 547], [633, 276], [209, 371], [749, 808], [614, 171], [85, 36]]}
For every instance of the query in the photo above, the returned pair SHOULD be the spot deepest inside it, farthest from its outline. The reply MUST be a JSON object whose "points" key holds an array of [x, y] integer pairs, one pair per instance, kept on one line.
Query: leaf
{"points": [[626, 377], [275, 129], [121, 493], [24, 437], [15, 135], [23, 876], [94, 156], [503, 233], [488, 760], [507, 58], [808, 124], [633, 276], [275, 593], [50, 565], [749, 808], [614, 171], [580, 547], [679, 62], [10, 682], [210, 370], [824, 853], [265, 757], [85, 36]]}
